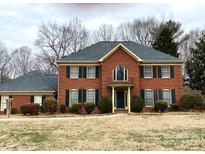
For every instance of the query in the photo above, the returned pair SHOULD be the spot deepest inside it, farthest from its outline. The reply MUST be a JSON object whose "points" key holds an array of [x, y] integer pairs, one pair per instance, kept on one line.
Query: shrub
{"points": [[137, 104], [160, 105], [14, 110], [105, 104], [75, 108], [50, 105], [174, 107], [32, 109], [191, 101], [62, 108], [89, 107]]}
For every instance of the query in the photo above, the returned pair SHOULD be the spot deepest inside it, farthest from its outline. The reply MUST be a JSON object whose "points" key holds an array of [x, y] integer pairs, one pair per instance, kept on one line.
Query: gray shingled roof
{"points": [[32, 81], [98, 50]]}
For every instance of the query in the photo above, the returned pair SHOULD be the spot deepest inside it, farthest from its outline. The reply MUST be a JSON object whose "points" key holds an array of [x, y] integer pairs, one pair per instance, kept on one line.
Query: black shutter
{"points": [[80, 96], [142, 93], [80, 72], [125, 74], [32, 99], [160, 94], [173, 96], [114, 77], [67, 97], [67, 71], [154, 71], [84, 72], [159, 72], [97, 71], [96, 97], [142, 71], [172, 71], [84, 95], [155, 95], [43, 97]]}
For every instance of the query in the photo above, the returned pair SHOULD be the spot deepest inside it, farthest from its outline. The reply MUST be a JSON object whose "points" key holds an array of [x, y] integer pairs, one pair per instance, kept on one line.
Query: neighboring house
{"points": [[119, 70], [32, 87], [115, 69]]}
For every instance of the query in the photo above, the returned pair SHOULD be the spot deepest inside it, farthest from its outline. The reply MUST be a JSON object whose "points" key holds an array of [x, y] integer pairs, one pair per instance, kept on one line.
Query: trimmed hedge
{"points": [[50, 105], [137, 104], [160, 106], [32, 109], [105, 104], [76, 108], [191, 101], [89, 107]]}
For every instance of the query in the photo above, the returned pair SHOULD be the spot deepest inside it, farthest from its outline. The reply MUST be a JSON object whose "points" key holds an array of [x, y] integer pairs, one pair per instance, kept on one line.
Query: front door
{"points": [[120, 99]]}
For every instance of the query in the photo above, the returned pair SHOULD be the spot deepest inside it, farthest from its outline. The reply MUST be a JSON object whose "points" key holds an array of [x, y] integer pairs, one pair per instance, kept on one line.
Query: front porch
{"points": [[121, 97]]}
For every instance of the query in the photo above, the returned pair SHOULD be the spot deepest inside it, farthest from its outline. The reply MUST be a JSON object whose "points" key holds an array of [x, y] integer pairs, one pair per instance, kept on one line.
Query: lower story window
{"points": [[149, 98], [90, 95], [38, 100], [166, 95], [73, 96], [3, 102]]}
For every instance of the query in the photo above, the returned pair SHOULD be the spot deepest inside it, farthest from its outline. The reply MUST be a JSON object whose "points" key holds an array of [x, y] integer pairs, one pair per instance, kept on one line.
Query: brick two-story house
{"points": [[119, 70], [115, 69]]}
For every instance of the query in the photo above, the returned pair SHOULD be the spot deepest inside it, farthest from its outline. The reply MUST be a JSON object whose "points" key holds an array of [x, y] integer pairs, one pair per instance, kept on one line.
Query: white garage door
{"points": [[3, 102], [38, 99]]}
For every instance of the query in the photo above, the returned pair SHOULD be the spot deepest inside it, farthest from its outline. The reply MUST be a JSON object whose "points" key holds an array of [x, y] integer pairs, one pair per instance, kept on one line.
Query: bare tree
{"points": [[79, 35], [106, 33], [21, 61], [54, 42], [139, 30], [4, 63]]}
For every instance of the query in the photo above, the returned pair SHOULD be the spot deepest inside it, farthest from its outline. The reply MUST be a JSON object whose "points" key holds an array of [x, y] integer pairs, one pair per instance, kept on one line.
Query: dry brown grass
{"points": [[121, 132]]}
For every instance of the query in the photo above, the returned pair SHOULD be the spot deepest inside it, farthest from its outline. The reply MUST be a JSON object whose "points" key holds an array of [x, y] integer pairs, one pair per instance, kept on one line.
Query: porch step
{"points": [[121, 110]]}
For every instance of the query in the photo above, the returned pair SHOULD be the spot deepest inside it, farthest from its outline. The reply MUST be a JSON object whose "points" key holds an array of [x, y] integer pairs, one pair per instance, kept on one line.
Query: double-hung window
{"points": [[73, 96], [149, 98], [91, 72], [74, 72], [147, 72], [90, 95], [38, 100], [165, 71], [166, 95]]}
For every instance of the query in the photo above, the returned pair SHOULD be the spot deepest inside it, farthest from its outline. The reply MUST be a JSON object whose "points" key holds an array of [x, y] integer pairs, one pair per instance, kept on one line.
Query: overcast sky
{"points": [[19, 22]]}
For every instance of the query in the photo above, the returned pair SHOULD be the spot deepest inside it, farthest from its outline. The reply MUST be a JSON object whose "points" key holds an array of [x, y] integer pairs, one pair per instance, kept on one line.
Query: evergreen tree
{"points": [[195, 66], [166, 37]]}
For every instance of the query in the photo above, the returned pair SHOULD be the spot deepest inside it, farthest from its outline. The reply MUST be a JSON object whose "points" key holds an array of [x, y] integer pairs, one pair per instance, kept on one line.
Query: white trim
{"points": [[170, 94], [87, 95], [150, 70], [169, 71], [2, 107], [145, 97], [41, 98], [115, 48], [70, 72], [87, 72], [114, 71], [70, 103]]}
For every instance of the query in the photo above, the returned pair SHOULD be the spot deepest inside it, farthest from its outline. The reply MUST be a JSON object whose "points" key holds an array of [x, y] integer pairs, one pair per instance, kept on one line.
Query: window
{"points": [[38, 100], [149, 98], [166, 95], [91, 72], [147, 72], [74, 72], [90, 95], [120, 73], [73, 96], [165, 72], [3, 102]]}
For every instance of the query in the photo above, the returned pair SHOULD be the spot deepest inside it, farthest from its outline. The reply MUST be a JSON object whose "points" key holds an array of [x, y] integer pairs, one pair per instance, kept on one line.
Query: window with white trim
{"points": [[3, 102], [147, 72], [166, 95], [149, 98], [38, 100], [90, 95], [73, 98], [165, 71], [91, 72], [120, 73], [74, 72]]}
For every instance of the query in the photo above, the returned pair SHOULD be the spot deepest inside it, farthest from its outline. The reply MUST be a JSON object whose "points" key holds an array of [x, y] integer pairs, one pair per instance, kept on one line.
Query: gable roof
{"points": [[34, 81], [96, 51]]}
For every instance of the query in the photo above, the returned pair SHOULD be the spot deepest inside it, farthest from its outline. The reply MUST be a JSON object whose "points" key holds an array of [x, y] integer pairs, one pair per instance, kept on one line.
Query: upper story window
{"points": [[91, 71], [147, 72], [120, 73], [165, 71], [74, 72]]}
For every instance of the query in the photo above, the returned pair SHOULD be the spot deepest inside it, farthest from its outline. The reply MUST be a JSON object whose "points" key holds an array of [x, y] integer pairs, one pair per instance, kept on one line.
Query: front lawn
{"points": [[117, 132]]}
